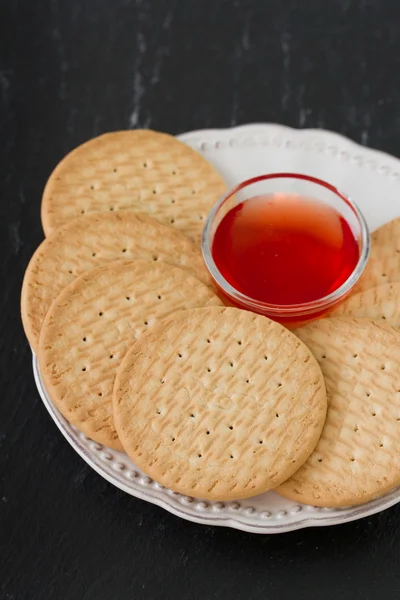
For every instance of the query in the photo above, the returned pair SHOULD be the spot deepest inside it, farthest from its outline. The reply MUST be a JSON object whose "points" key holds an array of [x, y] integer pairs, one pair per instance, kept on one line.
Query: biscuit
{"points": [[384, 262], [358, 455], [93, 240], [235, 403], [93, 322], [377, 303], [141, 170]]}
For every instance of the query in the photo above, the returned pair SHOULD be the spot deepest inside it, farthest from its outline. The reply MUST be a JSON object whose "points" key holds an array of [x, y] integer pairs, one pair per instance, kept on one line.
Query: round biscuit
{"points": [[234, 405], [381, 303], [358, 455], [387, 234], [384, 262], [93, 322], [140, 170], [93, 240]]}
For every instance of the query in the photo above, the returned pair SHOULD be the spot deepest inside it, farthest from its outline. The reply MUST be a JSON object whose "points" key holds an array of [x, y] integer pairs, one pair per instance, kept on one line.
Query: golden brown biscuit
{"points": [[93, 240], [358, 455], [141, 170], [384, 262], [380, 303], [93, 322], [235, 403]]}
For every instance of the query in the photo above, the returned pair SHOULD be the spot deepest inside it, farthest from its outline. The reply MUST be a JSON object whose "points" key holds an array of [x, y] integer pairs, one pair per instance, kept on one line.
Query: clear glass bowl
{"points": [[287, 183]]}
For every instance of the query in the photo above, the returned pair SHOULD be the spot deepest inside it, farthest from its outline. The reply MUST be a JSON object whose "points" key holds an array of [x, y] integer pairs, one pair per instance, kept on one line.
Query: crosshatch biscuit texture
{"points": [[92, 240], [93, 322], [234, 405], [358, 455], [381, 303], [384, 262], [141, 170]]}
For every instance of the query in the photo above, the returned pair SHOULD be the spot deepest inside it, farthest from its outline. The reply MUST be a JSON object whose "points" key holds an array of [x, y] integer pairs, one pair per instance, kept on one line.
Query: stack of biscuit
{"points": [[139, 353]]}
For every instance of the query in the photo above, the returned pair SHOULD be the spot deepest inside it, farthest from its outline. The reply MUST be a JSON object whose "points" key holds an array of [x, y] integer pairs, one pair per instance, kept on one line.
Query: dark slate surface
{"points": [[69, 70]]}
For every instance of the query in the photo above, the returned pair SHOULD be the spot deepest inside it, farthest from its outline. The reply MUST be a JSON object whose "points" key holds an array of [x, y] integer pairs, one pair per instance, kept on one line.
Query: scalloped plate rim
{"points": [[357, 512], [253, 127], [323, 518]]}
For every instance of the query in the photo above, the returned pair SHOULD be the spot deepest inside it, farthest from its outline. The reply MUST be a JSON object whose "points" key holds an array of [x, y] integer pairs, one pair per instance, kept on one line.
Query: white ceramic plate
{"points": [[372, 179]]}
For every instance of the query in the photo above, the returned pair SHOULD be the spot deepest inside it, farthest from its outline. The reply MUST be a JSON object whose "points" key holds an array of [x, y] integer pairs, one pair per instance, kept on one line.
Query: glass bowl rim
{"points": [[303, 308]]}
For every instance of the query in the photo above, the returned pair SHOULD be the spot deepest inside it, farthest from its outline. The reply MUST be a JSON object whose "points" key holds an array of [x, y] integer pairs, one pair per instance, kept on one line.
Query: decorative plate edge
{"points": [[240, 136], [105, 456], [310, 140]]}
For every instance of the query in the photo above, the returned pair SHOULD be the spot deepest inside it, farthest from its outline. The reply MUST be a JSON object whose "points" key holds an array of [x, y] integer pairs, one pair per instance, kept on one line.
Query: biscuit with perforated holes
{"points": [[93, 240], [378, 303], [384, 262], [93, 322], [142, 170], [235, 403], [358, 455]]}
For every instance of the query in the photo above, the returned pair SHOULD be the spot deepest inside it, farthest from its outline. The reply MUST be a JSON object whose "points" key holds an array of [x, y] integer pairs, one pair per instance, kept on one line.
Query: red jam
{"points": [[284, 249]]}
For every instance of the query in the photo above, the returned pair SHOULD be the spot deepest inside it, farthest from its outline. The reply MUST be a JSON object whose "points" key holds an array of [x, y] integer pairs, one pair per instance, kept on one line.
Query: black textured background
{"points": [[69, 70]]}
